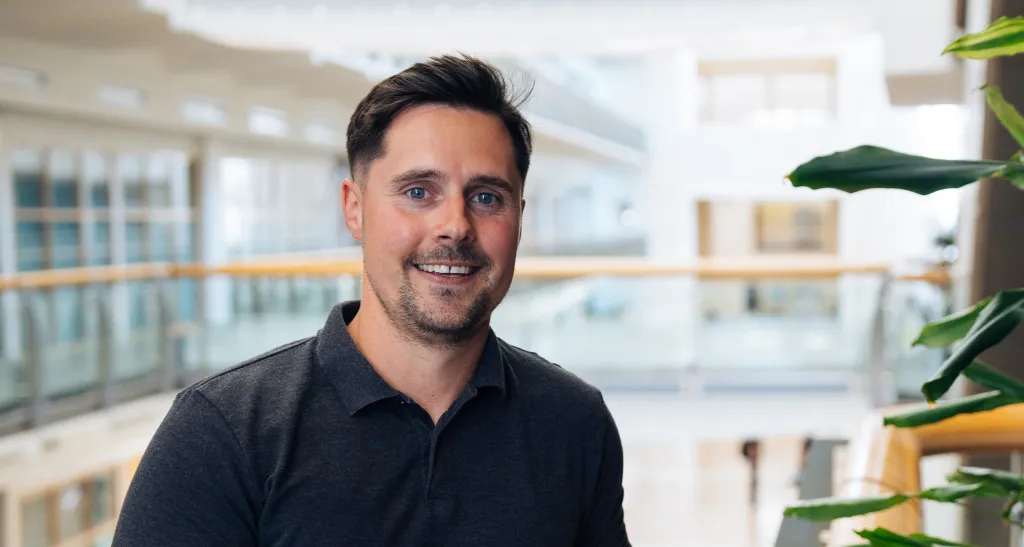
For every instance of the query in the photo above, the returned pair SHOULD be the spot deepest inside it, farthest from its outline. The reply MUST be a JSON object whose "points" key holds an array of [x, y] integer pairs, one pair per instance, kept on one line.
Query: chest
{"points": [[397, 481]]}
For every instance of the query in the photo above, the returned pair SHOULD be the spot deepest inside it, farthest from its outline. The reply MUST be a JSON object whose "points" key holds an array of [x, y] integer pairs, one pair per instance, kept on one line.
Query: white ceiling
{"points": [[521, 27]]}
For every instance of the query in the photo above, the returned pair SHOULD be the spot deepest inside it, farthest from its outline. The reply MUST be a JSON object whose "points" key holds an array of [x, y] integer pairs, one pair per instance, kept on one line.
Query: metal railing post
{"points": [[169, 362], [35, 357], [107, 345], [880, 382]]}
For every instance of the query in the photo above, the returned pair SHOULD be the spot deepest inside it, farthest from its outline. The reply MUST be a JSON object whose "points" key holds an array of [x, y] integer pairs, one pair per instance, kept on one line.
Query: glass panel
{"points": [[68, 307], [101, 501], [65, 245], [29, 242], [95, 176], [72, 511], [27, 166], [131, 179], [100, 244], [34, 524], [134, 251], [186, 242], [63, 180], [187, 300], [138, 318], [160, 241]]}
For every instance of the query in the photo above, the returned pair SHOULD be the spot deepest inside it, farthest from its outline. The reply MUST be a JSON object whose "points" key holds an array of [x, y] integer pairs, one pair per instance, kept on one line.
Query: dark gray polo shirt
{"points": [[307, 445]]}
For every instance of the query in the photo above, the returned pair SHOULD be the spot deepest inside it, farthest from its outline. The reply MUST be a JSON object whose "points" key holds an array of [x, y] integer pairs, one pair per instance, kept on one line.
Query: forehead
{"points": [[447, 138]]}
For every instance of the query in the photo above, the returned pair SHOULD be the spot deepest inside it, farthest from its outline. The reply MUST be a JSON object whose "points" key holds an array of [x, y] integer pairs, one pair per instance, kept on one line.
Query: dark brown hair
{"points": [[456, 81]]}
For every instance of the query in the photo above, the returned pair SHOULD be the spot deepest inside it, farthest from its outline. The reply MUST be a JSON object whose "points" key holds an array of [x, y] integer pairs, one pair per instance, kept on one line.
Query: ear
{"points": [[522, 212], [352, 207]]}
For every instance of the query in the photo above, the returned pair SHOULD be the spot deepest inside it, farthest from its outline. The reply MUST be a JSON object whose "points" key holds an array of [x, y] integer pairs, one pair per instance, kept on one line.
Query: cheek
{"points": [[392, 234], [500, 240]]}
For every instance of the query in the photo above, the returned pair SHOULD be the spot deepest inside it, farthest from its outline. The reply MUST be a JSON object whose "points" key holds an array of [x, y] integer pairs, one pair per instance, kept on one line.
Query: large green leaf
{"points": [[995, 478], [949, 329], [981, 402], [1007, 114], [882, 537], [929, 540], [1014, 172], [994, 323], [1003, 37], [988, 377], [866, 167], [951, 492], [826, 509]]}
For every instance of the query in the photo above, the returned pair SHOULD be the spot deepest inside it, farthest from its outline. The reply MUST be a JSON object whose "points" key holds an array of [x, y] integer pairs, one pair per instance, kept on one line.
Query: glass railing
{"points": [[622, 323]]}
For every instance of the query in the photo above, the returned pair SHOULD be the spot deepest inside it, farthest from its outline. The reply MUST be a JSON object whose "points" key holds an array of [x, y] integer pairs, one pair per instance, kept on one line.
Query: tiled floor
{"points": [[687, 484]]}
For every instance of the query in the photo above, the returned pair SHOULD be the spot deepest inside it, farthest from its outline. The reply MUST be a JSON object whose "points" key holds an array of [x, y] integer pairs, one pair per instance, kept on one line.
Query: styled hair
{"points": [[455, 81]]}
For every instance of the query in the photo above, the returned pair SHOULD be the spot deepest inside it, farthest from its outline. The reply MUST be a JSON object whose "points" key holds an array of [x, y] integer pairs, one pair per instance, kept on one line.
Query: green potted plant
{"points": [[970, 332]]}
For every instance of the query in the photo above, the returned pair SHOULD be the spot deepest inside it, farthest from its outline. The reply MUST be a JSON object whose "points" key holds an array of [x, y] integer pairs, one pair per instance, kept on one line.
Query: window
{"points": [[134, 243], [29, 242], [131, 180], [768, 93], [158, 178], [72, 511], [95, 178], [160, 242], [67, 511], [100, 244], [27, 167], [101, 499], [63, 180], [65, 251], [796, 227]]}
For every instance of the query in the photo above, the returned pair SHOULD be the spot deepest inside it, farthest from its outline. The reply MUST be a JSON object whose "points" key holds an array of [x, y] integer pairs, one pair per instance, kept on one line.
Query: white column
{"points": [[216, 292], [669, 307], [11, 333], [669, 206]]}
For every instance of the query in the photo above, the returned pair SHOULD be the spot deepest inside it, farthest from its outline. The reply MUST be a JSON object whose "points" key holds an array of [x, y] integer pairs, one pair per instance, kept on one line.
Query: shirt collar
{"points": [[358, 383]]}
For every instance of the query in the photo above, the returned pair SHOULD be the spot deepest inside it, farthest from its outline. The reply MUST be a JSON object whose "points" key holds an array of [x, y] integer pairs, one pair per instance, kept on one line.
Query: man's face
{"points": [[439, 217]]}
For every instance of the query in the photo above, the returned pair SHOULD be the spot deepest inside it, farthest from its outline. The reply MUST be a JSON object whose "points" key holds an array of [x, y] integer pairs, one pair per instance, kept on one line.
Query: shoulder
{"points": [[274, 377], [545, 383]]}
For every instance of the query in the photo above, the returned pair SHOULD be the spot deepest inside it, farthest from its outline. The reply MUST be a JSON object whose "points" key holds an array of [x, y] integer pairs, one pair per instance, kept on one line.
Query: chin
{"points": [[452, 318]]}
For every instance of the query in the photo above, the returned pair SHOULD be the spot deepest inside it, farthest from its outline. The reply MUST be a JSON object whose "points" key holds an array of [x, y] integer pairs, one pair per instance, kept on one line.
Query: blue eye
{"points": [[486, 198], [417, 193]]}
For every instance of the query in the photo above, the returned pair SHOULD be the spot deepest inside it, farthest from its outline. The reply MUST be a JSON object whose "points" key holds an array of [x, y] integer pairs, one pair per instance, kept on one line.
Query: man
{"points": [[405, 421]]}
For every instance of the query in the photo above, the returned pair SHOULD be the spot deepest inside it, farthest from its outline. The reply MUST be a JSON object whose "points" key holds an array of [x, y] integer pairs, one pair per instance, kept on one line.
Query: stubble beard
{"points": [[412, 316]]}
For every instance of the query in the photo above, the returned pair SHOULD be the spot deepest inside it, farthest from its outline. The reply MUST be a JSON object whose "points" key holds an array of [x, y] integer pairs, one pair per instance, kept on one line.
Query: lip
{"points": [[451, 281]]}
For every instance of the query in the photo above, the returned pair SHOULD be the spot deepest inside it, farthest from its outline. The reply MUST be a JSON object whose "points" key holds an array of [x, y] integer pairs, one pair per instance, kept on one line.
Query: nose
{"points": [[454, 223]]}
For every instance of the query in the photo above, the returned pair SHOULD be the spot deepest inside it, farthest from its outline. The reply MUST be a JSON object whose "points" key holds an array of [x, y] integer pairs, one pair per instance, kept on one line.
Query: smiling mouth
{"points": [[447, 270]]}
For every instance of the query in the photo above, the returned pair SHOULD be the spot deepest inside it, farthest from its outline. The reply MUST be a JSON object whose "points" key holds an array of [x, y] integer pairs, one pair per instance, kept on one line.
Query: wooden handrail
{"points": [[776, 267], [885, 460]]}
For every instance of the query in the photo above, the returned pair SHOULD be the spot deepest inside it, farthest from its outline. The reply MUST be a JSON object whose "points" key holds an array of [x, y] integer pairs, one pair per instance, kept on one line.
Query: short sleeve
{"points": [[604, 522], [193, 485]]}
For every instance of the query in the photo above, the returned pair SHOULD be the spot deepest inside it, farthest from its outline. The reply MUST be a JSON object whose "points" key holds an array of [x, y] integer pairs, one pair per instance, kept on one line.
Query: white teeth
{"points": [[442, 269]]}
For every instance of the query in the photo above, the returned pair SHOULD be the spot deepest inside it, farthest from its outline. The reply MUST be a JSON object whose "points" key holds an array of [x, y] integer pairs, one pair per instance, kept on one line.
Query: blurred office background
{"points": [[169, 206]]}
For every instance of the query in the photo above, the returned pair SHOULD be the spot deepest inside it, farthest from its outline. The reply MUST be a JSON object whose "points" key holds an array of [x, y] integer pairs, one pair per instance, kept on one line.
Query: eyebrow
{"points": [[417, 174], [489, 180]]}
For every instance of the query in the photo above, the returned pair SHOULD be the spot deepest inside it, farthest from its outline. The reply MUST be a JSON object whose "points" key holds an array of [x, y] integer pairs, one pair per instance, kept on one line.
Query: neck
{"points": [[433, 375]]}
